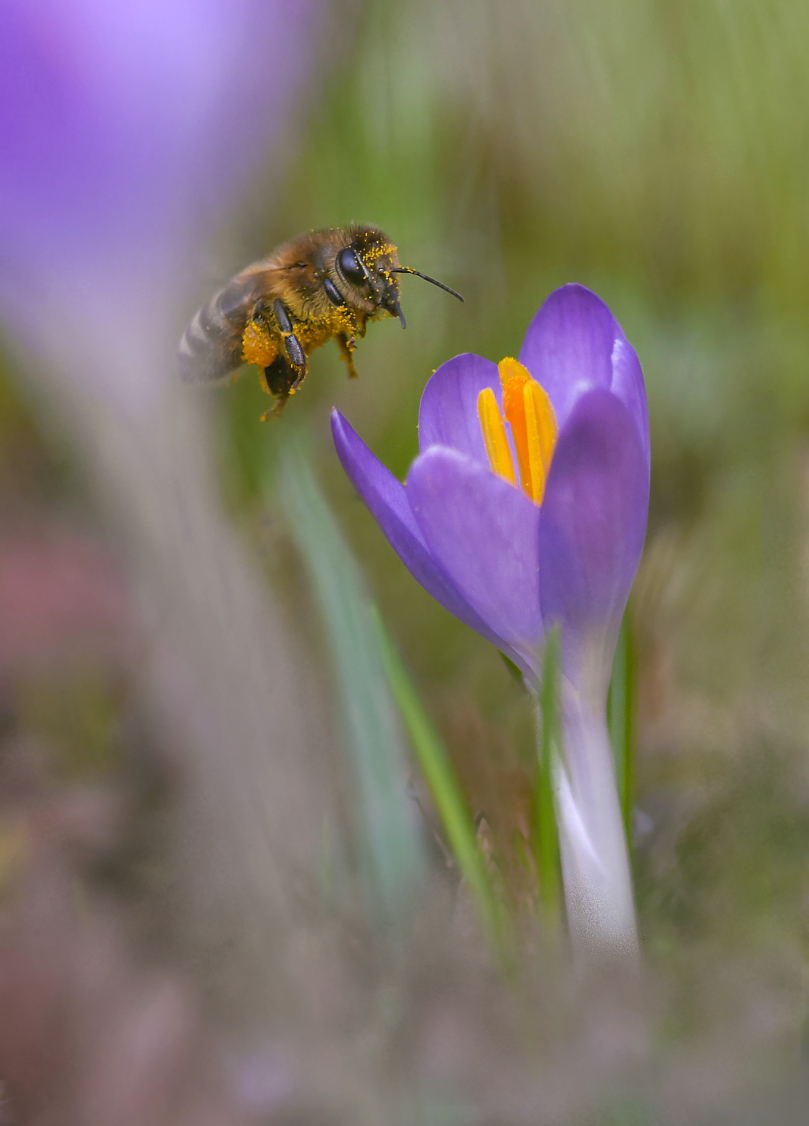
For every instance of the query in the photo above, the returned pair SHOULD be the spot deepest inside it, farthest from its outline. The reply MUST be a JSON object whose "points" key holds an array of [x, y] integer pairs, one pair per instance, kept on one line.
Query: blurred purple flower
{"points": [[517, 529], [125, 127], [507, 566]]}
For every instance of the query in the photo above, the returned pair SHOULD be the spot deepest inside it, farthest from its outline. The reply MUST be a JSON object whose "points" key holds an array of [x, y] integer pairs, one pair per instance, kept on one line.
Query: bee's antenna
{"points": [[432, 281]]}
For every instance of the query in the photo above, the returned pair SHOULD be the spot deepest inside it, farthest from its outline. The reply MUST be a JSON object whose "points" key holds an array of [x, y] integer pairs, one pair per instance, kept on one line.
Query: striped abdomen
{"points": [[211, 347]]}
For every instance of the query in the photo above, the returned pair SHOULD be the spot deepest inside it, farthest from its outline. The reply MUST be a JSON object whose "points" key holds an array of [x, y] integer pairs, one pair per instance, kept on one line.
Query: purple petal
{"points": [[483, 533], [593, 520], [628, 385], [448, 414], [568, 346], [388, 502]]}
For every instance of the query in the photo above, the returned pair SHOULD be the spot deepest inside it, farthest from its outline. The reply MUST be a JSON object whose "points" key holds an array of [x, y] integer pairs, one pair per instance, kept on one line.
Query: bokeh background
{"points": [[656, 152]]}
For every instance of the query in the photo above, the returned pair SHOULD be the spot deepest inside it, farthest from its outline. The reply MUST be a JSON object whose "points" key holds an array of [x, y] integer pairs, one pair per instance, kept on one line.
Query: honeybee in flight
{"points": [[323, 284]]}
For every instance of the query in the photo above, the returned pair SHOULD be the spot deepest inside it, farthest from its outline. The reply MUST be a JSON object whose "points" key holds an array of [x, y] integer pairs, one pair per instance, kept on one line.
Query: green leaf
{"points": [[391, 850], [446, 791]]}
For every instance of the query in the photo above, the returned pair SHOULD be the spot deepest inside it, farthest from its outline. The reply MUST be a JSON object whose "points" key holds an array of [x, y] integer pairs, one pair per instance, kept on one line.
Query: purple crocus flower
{"points": [[525, 508], [484, 549]]}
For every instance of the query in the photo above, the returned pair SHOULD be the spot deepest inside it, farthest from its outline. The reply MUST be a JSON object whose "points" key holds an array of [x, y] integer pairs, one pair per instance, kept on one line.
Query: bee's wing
{"points": [[211, 347]]}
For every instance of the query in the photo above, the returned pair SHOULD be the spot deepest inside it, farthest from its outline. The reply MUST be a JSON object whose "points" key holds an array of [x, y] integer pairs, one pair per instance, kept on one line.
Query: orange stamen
{"points": [[529, 413], [494, 436], [514, 377], [541, 431]]}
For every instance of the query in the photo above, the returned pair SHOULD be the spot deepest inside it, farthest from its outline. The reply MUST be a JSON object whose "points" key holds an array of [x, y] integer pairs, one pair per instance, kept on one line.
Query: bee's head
{"points": [[368, 266]]}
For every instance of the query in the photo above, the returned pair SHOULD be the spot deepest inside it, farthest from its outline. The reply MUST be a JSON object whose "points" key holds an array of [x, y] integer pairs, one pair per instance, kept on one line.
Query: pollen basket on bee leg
{"points": [[530, 416], [259, 346]]}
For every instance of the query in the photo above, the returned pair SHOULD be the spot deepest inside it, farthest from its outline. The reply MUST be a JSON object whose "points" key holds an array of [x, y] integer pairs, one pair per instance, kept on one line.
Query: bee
{"points": [[276, 312]]}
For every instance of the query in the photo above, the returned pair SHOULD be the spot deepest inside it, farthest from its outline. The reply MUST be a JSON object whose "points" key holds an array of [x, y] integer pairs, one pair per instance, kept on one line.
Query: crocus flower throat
{"points": [[528, 411]]}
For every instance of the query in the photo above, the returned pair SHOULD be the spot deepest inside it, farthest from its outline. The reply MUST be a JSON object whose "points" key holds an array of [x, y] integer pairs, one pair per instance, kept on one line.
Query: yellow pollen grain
{"points": [[494, 436]]}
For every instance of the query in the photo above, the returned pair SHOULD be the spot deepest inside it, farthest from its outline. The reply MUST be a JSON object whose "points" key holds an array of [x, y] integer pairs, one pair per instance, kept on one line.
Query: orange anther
{"points": [[494, 436], [529, 413]]}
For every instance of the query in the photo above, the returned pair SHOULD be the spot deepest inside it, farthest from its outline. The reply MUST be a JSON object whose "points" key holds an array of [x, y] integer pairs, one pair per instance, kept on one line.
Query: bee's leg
{"points": [[260, 338], [279, 378], [297, 356], [347, 344]]}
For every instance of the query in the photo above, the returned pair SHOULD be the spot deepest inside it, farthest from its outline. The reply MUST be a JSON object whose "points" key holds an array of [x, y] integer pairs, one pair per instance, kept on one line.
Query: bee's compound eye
{"points": [[350, 267]]}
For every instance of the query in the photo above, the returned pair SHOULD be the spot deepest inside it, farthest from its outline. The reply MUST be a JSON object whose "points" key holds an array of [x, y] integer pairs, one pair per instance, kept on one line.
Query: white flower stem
{"points": [[595, 859]]}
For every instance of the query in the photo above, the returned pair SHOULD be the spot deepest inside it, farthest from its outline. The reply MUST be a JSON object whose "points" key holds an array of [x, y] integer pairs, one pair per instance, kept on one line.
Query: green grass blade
{"points": [[444, 787], [392, 851]]}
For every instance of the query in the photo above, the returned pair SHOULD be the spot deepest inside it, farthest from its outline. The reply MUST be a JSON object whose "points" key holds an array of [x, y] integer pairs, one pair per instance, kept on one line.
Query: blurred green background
{"points": [[657, 152]]}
